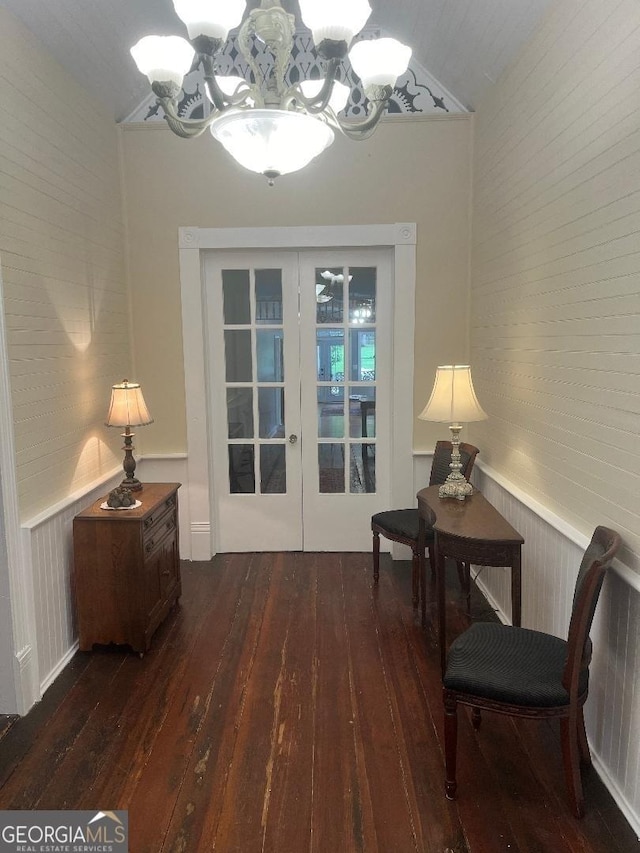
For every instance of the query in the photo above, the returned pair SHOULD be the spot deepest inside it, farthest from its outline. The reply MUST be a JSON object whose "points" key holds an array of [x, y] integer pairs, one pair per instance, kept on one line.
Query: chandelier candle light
{"points": [[128, 409], [267, 126], [453, 400]]}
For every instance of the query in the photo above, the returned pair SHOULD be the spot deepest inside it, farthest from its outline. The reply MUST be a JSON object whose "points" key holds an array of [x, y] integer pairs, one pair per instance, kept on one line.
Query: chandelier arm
{"points": [[239, 98], [362, 129], [319, 102], [221, 101], [185, 127], [216, 95]]}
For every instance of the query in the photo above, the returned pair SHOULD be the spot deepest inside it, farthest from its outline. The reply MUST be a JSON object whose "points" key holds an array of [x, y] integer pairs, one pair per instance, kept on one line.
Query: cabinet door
{"points": [[169, 569], [152, 588]]}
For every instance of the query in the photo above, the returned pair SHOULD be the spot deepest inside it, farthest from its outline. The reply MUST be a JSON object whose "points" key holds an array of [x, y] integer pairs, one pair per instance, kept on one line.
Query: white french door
{"points": [[299, 369]]}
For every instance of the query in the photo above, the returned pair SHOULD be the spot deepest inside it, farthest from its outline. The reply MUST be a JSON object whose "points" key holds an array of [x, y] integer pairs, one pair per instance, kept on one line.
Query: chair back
{"points": [[593, 567], [440, 469]]}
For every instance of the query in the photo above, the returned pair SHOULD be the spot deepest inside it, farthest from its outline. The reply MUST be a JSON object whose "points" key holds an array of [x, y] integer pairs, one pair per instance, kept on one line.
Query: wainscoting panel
{"points": [[48, 547], [550, 559]]}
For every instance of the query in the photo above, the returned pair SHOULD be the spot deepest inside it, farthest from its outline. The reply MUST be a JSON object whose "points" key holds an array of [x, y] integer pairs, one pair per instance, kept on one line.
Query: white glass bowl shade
{"points": [[271, 142]]}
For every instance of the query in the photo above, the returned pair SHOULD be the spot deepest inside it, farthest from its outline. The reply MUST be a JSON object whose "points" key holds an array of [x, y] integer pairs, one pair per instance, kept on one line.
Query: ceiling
{"points": [[464, 44]]}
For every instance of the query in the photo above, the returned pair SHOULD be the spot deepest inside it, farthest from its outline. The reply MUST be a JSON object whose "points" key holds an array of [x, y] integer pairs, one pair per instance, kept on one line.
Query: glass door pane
{"points": [[345, 344], [255, 376], [345, 334]]}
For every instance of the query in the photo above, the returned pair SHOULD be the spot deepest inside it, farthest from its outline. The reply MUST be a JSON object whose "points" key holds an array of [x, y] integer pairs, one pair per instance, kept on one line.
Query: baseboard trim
{"points": [[61, 664], [201, 550], [502, 616], [616, 793], [25, 668]]}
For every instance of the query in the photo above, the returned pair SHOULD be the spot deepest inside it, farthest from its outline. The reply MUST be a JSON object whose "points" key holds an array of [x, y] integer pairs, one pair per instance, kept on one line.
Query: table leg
{"points": [[442, 623], [422, 570], [516, 589]]}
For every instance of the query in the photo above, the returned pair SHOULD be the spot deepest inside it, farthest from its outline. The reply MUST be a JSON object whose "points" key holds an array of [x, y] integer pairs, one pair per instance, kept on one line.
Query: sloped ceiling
{"points": [[464, 44]]}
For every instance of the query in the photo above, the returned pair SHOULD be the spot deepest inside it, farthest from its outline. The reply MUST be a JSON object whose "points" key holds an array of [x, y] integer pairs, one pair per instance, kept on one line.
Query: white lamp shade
{"points": [[339, 94], [128, 407], [213, 18], [338, 20], [453, 399], [379, 62], [271, 141], [163, 58]]}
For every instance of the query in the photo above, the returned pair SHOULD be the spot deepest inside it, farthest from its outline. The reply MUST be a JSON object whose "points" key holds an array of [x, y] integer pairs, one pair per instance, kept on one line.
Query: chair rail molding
{"points": [[192, 241]]}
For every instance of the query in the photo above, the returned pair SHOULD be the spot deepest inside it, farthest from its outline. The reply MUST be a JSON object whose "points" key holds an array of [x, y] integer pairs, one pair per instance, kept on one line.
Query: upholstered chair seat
{"points": [[402, 523], [517, 666]]}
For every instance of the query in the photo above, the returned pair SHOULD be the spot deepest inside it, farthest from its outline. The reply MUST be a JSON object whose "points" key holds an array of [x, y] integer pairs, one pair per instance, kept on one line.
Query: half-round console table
{"points": [[471, 531]]}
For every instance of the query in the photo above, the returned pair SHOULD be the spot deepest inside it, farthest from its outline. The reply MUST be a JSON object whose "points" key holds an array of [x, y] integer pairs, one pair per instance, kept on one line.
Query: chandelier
{"points": [[268, 126], [324, 291]]}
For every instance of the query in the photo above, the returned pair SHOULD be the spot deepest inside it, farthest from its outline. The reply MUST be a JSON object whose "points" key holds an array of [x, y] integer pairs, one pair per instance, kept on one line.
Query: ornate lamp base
{"points": [[455, 486], [130, 481]]}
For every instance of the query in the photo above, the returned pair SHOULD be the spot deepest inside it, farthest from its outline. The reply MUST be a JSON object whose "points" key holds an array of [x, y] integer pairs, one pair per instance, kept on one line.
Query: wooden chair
{"points": [[401, 525], [525, 673]]}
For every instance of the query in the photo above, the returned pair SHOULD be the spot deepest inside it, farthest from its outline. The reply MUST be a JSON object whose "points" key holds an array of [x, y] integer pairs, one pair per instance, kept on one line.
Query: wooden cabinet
{"points": [[127, 568]]}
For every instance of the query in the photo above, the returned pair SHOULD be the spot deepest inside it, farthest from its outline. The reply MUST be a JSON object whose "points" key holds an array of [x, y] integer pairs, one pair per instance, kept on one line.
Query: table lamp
{"points": [[128, 409], [453, 401]]}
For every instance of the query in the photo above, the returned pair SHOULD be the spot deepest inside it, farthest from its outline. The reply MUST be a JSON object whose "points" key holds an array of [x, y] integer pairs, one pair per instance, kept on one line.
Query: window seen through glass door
{"points": [[346, 379]]}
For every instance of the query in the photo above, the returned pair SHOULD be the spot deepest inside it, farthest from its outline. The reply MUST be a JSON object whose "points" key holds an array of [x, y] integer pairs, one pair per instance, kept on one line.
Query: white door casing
{"points": [[193, 242]]}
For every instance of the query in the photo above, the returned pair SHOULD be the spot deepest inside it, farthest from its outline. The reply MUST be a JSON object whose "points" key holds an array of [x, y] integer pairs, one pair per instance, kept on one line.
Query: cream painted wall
{"points": [[61, 249], [555, 315], [410, 170]]}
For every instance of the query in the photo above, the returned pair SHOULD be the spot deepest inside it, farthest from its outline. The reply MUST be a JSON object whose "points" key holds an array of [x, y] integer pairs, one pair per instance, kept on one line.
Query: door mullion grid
{"points": [[347, 373], [254, 377]]}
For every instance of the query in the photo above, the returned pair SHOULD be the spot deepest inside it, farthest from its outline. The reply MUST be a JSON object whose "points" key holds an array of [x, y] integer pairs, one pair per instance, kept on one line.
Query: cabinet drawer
{"points": [[157, 525], [155, 536]]}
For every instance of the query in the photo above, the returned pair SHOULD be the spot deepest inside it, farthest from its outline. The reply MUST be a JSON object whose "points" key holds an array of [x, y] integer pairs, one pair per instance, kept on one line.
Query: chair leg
{"points": [[450, 744], [583, 743], [376, 556], [415, 578], [571, 761]]}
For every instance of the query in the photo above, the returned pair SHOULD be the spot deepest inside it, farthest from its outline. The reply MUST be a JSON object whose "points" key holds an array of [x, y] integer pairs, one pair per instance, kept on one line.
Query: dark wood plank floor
{"points": [[286, 706]]}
